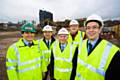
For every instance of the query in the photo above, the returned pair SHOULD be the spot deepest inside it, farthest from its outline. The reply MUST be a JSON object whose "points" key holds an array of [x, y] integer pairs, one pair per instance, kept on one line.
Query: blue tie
{"points": [[62, 47], [48, 44], [29, 44], [89, 47]]}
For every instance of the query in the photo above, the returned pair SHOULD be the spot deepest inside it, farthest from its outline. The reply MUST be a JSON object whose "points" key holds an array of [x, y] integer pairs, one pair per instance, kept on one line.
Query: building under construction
{"points": [[45, 17]]}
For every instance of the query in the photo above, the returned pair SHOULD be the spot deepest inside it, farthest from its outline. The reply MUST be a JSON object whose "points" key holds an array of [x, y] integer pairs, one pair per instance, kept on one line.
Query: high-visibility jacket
{"points": [[62, 61], [23, 62], [94, 66], [46, 53], [78, 38]]}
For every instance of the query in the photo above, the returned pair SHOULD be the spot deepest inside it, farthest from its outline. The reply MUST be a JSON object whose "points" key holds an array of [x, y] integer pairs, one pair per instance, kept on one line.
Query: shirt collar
{"points": [[63, 45], [93, 42], [48, 40], [26, 42]]}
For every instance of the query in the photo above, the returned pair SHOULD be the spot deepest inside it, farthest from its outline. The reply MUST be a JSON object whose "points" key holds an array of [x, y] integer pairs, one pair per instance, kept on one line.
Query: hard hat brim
{"points": [[99, 22]]}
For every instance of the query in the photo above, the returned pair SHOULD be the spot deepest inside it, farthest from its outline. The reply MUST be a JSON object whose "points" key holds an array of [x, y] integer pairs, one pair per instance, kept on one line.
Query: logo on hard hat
{"points": [[28, 28], [74, 22], [63, 30], [47, 28]]}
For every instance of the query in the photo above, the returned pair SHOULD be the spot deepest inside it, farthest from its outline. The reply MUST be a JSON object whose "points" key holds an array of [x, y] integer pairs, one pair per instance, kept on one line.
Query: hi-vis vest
{"points": [[46, 53], [63, 61], [94, 66], [78, 38], [23, 62]]}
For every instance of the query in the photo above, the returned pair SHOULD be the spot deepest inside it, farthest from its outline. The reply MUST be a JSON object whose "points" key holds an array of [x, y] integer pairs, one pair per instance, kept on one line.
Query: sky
{"points": [[17, 10]]}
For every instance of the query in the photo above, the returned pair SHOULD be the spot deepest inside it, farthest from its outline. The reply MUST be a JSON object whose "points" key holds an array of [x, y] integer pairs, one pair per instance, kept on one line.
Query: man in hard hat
{"points": [[23, 60], [76, 37], [45, 47], [98, 59], [61, 57]]}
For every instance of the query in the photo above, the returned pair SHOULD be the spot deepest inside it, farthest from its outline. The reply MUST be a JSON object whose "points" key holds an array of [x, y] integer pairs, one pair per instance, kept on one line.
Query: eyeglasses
{"points": [[92, 27]]}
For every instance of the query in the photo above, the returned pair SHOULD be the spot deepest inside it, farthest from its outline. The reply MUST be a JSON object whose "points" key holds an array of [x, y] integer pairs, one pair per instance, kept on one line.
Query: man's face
{"points": [[74, 28], [93, 30], [63, 38], [29, 36], [47, 34]]}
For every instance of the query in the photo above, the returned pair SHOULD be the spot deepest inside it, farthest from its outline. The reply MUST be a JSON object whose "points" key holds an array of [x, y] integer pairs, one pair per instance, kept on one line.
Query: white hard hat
{"points": [[96, 18], [74, 22], [63, 31], [47, 28]]}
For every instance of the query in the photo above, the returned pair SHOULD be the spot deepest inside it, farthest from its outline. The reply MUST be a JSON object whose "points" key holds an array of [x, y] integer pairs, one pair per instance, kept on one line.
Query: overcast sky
{"points": [[14, 10]]}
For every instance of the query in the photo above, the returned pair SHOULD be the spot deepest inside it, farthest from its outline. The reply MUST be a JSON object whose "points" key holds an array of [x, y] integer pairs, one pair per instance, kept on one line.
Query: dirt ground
{"points": [[8, 38]]}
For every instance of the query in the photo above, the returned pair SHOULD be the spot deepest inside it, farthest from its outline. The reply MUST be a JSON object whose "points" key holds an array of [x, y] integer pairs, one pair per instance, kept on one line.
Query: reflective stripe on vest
{"points": [[103, 61], [74, 42], [105, 55], [17, 52], [29, 62], [80, 44], [24, 70], [81, 37], [10, 60], [31, 68], [64, 70], [23, 63], [63, 59], [11, 68], [38, 45], [46, 51]]}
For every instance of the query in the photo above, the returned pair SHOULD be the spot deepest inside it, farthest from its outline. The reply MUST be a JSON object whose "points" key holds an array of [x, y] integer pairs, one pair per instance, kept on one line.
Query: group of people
{"points": [[72, 55]]}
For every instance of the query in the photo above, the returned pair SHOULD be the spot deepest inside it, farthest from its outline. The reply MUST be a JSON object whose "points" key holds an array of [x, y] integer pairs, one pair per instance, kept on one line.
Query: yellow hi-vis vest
{"points": [[94, 66], [23, 62], [78, 38], [46, 53], [63, 61]]}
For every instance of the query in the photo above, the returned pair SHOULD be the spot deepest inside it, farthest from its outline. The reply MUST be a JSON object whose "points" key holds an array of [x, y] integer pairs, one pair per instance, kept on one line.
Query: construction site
{"points": [[111, 32], [8, 38]]}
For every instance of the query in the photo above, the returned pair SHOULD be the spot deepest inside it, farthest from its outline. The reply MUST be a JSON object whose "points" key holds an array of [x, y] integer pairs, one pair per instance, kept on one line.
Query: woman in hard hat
{"points": [[61, 57], [98, 59], [23, 60]]}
